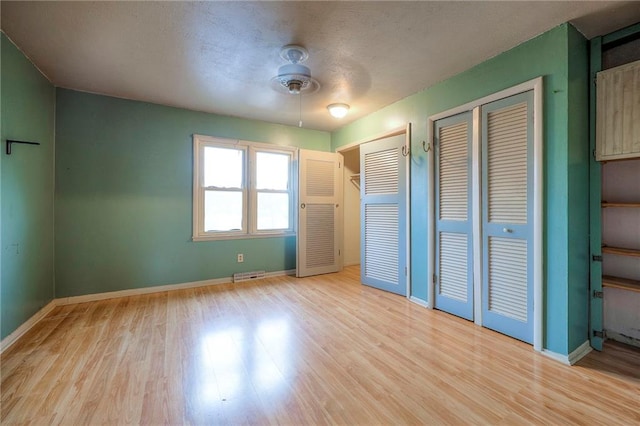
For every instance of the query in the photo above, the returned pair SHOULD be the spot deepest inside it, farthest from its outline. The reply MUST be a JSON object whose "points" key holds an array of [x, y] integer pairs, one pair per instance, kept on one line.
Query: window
{"points": [[241, 189]]}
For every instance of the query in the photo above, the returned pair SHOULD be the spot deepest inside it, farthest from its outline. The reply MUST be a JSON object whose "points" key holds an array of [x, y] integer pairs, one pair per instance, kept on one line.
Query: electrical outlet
{"points": [[240, 257]]}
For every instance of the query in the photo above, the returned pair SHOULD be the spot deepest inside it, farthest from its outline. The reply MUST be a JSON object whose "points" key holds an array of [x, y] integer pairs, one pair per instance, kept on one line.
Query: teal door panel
{"points": [[454, 232], [507, 216], [383, 214]]}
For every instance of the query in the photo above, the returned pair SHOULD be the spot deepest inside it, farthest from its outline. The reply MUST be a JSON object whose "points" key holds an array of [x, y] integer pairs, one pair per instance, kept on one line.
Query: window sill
{"points": [[241, 236]]}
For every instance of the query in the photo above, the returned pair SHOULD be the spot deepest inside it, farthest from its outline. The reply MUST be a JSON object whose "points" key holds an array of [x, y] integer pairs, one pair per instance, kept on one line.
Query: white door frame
{"points": [[406, 130], [538, 189]]}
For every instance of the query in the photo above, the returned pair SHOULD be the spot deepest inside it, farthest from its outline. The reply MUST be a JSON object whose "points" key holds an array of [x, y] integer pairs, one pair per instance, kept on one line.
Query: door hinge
{"points": [[594, 155], [596, 258], [405, 271], [597, 294], [339, 253], [435, 279], [599, 334]]}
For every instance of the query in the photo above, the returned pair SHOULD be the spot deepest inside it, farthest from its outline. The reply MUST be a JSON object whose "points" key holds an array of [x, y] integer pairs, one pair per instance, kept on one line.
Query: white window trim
{"points": [[250, 193]]}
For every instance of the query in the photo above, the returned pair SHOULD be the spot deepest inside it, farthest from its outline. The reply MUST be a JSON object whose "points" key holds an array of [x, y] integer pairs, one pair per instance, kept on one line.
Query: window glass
{"points": [[272, 171], [223, 211], [273, 210], [223, 167]]}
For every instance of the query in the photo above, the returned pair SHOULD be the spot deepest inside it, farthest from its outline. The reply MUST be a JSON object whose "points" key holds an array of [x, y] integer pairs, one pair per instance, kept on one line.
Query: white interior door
{"points": [[383, 208], [319, 241]]}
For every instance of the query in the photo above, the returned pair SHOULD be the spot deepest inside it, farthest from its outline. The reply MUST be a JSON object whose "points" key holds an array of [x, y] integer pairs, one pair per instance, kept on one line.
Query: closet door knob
{"points": [[507, 230]]}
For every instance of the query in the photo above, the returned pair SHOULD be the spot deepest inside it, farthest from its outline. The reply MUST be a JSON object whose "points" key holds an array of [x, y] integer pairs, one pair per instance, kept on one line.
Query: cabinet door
{"points": [[618, 113]]}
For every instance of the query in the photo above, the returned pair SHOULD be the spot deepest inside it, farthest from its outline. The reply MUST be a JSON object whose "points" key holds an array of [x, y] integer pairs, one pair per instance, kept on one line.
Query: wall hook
{"points": [[405, 150], [10, 141], [426, 147]]}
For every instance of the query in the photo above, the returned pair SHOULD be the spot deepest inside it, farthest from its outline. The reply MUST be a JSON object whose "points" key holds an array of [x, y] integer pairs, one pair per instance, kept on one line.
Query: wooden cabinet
{"points": [[618, 113]]}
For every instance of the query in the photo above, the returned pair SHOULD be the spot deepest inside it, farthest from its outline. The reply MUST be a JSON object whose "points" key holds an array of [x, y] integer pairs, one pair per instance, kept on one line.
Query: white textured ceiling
{"points": [[219, 56]]}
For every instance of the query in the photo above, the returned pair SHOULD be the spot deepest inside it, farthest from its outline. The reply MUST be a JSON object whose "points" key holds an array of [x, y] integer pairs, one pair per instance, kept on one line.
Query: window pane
{"points": [[223, 167], [273, 211], [272, 171], [222, 211]]}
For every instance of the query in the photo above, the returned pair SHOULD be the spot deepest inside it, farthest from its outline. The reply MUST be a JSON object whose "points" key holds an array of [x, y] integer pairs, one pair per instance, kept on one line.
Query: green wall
{"points": [[124, 195], [578, 191], [557, 55], [26, 193]]}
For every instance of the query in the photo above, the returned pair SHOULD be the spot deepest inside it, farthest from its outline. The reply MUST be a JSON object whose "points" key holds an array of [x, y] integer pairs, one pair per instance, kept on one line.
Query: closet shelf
{"points": [[621, 251], [605, 204], [623, 283]]}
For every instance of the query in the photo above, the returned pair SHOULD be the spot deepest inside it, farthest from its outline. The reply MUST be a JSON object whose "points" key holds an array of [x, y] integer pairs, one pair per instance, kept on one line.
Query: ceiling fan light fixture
{"points": [[338, 110], [295, 78], [294, 86]]}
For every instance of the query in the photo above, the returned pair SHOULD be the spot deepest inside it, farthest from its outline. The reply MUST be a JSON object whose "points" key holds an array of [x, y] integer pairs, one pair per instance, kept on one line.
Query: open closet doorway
{"points": [[376, 209]]}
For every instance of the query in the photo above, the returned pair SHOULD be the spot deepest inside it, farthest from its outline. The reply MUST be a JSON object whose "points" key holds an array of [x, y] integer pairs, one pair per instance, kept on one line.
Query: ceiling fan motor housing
{"points": [[294, 77]]}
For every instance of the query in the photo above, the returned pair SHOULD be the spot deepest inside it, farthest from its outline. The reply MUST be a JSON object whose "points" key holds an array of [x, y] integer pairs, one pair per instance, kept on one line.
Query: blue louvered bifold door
{"points": [[454, 256], [383, 193], [507, 216]]}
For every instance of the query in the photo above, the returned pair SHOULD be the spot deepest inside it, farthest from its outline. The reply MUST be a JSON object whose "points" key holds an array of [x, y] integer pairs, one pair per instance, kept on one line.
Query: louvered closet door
{"points": [[383, 214], [319, 213], [507, 183], [454, 255]]}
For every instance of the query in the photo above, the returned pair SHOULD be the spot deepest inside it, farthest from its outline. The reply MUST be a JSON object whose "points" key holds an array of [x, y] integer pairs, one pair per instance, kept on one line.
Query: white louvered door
{"points": [[383, 193], [507, 216], [454, 232], [319, 213]]}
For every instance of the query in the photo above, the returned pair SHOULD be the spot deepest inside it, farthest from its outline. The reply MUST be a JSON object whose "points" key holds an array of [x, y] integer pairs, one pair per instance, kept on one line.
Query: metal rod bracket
{"points": [[10, 141]]}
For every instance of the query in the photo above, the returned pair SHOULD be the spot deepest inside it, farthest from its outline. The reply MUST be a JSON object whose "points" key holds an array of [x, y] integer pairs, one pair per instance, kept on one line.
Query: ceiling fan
{"points": [[295, 78]]}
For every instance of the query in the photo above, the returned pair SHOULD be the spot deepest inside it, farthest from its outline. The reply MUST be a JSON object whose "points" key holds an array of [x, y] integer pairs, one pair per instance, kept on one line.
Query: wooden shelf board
{"points": [[623, 283], [605, 204], [621, 251]]}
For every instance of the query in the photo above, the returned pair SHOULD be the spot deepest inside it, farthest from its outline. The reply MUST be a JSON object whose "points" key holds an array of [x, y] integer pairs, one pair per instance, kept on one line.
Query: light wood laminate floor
{"points": [[317, 350]]}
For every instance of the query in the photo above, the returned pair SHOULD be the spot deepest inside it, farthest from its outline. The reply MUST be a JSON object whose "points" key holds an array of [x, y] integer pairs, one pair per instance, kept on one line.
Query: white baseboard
{"points": [[573, 357], [26, 326], [156, 289], [418, 301], [138, 291], [38, 316], [289, 272], [618, 337], [580, 352]]}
